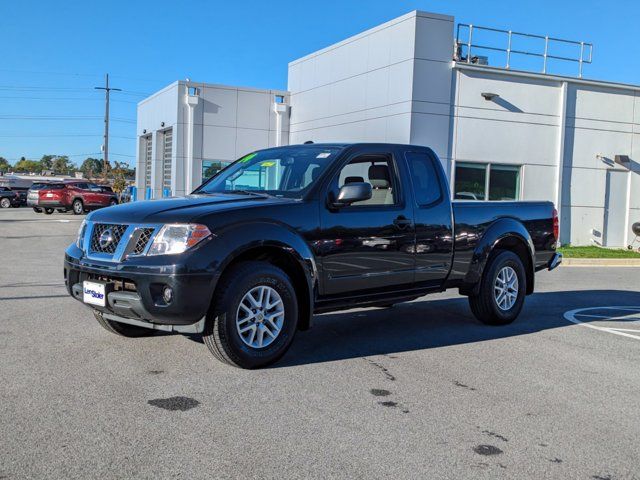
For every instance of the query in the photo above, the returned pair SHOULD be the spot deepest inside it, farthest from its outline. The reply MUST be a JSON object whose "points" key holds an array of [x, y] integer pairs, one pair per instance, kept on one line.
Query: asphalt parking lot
{"points": [[421, 390]]}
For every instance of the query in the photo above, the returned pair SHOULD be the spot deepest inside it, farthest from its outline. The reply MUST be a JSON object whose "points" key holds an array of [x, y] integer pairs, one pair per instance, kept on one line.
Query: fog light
{"points": [[167, 294]]}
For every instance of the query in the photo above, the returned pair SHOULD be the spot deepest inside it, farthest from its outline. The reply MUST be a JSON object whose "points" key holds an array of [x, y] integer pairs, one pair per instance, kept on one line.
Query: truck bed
{"points": [[473, 218]]}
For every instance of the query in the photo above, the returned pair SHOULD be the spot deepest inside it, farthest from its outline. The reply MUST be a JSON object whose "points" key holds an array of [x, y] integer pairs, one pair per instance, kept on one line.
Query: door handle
{"points": [[402, 222]]}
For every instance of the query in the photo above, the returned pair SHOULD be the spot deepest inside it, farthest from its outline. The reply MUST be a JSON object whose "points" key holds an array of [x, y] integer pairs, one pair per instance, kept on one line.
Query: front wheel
{"points": [[5, 203], [37, 210], [254, 317], [77, 207], [113, 202], [502, 290], [48, 211]]}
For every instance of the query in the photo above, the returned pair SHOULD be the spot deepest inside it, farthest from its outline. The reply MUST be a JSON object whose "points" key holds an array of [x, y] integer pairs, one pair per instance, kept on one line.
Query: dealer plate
{"points": [[94, 293]]}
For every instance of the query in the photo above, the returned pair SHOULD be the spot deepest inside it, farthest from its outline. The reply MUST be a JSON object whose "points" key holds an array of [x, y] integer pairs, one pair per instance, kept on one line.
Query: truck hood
{"points": [[186, 209]]}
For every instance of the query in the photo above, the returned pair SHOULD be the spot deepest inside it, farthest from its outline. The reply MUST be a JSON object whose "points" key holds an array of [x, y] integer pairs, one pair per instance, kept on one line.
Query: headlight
{"points": [[81, 231], [178, 238]]}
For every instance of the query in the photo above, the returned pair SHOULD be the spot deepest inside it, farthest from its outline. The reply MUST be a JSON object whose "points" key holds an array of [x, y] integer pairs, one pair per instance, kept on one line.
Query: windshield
{"points": [[282, 172]]}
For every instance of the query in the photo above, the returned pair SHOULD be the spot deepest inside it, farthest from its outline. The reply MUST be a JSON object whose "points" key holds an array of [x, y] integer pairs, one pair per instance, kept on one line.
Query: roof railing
{"points": [[586, 49]]}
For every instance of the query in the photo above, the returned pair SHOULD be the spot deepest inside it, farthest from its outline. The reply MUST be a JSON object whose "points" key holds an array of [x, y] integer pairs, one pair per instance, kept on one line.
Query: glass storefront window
{"points": [[504, 182], [211, 167], [472, 180]]}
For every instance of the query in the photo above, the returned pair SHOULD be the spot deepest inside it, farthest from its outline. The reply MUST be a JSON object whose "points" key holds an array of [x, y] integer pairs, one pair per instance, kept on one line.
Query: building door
{"points": [[615, 208], [167, 147], [147, 151]]}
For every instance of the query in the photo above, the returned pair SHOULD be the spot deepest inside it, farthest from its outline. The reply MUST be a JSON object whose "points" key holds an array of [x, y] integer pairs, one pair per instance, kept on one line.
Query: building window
{"points": [[482, 181], [211, 167]]}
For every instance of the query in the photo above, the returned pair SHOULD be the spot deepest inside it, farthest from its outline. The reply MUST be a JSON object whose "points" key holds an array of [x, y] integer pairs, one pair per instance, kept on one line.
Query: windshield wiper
{"points": [[251, 192]]}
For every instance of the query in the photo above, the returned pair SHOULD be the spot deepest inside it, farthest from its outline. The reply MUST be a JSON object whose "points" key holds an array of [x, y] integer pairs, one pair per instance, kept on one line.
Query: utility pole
{"points": [[106, 89]]}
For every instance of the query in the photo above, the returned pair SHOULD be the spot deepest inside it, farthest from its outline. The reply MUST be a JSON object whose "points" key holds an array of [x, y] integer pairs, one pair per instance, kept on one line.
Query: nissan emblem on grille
{"points": [[106, 238]]}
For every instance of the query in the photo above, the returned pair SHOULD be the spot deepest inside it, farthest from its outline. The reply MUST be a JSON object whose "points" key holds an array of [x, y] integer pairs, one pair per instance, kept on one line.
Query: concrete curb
{"points": [[600, 262]]}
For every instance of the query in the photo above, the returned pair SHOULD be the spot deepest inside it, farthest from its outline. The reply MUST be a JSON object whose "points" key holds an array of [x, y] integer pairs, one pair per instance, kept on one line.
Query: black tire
{"points": [[221, 334], [484, 305], [37, 210], [77, 207], [122, 329], [113, 202], [48, 211], [5, 203]]}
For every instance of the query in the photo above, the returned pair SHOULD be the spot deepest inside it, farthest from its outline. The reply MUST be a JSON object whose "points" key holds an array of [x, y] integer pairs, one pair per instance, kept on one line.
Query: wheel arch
{"points": [[282, 248], [504, 234]]}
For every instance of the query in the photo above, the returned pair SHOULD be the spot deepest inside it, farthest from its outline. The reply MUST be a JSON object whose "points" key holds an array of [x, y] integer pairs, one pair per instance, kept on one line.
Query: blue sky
{"points": [[52, 54]]}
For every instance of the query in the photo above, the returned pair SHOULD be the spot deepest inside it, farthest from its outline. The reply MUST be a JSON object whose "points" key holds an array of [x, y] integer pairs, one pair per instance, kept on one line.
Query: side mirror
{"points": [[353, 192]]}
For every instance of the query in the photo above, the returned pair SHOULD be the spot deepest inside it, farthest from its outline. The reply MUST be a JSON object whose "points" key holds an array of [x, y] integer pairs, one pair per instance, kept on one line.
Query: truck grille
{"points": [[144, 235], [106, 247]]}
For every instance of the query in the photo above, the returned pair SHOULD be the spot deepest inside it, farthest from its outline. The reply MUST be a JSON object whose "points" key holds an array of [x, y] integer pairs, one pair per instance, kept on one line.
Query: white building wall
{"points": [[523, 126], [228, 122], [397, 83], [361, 89]]}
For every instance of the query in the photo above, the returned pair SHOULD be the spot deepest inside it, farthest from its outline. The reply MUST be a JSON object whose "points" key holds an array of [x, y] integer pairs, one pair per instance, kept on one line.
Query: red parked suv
{"points": [[76, 195]]}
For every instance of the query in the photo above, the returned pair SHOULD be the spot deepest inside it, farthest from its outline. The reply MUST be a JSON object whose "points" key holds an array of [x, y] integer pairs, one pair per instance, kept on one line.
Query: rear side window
{"points": [[424, 176], [53, 186]]}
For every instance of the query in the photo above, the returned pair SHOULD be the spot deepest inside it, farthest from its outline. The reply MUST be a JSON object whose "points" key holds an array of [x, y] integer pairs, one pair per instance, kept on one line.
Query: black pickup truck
{"points": [[283, 233]]}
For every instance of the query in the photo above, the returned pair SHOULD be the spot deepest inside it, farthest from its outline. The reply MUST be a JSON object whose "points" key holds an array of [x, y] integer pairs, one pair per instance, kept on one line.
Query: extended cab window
{"points": [[424, 176], [376, 170]]}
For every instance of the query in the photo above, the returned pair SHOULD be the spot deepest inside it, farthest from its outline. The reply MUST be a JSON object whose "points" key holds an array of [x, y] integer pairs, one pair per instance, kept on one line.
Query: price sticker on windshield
{"points": [[323, 155], [267, 164]]}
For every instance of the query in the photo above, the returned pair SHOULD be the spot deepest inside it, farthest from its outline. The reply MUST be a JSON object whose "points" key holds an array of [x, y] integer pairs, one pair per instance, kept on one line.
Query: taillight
{"points": [[556, 225]]}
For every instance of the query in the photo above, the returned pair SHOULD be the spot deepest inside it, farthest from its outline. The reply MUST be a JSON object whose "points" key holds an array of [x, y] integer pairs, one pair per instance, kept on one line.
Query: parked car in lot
{"points": [[283, 233], [9, 198], [74, 195], [127, 194]]}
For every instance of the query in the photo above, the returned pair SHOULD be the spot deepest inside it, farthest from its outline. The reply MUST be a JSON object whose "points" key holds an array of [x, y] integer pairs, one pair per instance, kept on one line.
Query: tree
{"points": [[4, 165], [47, 161], [119, 184], [91, 167], [62, 165], [25, 165]]}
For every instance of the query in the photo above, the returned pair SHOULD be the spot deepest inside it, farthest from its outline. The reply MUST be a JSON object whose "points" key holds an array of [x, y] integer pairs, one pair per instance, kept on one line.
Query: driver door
{"points": [[369, 244]]}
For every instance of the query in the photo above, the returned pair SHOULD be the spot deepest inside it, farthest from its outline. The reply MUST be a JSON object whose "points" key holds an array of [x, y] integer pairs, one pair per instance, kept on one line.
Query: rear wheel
{"points": [[48, 211], [122, 329], [77, 207], [502, 290], [254, 318], [5, 203], [37, 210], [113, 202]]}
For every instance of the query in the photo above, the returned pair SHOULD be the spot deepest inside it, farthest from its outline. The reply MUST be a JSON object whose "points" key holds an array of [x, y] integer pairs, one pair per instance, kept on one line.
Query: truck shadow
{"points": [[426, 324]]}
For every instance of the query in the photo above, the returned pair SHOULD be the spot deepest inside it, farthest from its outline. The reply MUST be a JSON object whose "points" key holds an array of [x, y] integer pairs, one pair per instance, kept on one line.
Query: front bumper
{"points": [[135, 291]]}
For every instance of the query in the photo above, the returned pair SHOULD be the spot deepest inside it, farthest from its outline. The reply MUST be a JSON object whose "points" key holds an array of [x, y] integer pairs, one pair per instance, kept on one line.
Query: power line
{"points": [[68, 98], [56, 135]]}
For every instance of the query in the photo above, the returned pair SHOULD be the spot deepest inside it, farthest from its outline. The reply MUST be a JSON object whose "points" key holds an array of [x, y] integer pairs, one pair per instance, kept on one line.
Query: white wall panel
{"points": [[249, 140], [219, 106], [253, 109], [433, 37], [506, 142], [218, 143], [538, 182]]}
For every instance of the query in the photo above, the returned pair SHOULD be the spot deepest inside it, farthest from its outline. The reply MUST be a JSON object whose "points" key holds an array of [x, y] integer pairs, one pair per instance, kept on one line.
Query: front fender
{"points": [[500, 230], [235, 240]]}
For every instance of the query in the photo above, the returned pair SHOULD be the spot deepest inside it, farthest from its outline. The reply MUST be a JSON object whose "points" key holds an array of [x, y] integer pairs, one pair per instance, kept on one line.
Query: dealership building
{"points": [[486, 101]]}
